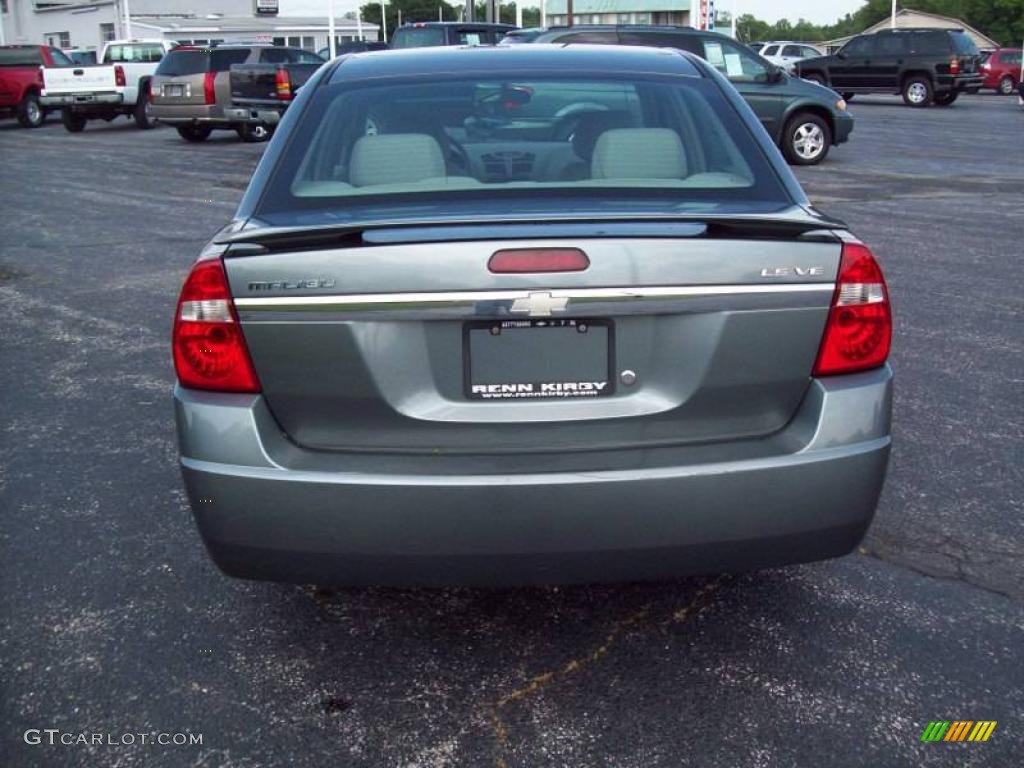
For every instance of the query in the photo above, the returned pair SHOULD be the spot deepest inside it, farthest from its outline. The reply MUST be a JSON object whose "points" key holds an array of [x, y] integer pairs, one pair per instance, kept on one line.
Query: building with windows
{"points": [[87, 24], [619, 12]]}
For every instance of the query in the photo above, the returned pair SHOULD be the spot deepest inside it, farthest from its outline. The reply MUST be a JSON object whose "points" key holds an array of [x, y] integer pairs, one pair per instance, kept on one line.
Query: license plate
{"points": [[174, 90], [538, 359]]}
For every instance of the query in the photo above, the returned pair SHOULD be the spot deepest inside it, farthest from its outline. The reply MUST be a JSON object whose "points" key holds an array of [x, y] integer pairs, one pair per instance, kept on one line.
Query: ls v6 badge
{"points": [[793, 272]]}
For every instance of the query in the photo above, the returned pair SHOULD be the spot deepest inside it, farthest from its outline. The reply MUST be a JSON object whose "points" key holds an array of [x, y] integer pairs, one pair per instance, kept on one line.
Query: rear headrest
{"points": [[638, 153], [592, 124], [395, 158]]}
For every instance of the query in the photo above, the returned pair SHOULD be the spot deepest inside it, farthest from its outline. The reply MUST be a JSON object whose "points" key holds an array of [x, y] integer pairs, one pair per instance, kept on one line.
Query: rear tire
{"points": [[194, 133], [30, 113], [253, 133], [73, 123], [806, 139], [917, 91], [143, 110], [945, 99], [1006, 86], [848, 96]]}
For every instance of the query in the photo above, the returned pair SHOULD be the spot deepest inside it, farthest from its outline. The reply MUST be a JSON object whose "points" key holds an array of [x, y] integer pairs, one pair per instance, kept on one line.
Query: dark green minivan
{"points": [[804, 119]]}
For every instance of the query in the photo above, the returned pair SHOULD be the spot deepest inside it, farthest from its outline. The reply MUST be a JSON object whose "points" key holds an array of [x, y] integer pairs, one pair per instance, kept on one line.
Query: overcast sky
{"points": [[819, 11]]}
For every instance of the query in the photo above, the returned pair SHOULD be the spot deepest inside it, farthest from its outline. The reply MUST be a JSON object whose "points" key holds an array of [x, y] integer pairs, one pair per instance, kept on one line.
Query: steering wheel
{"points": [[567, 118]]}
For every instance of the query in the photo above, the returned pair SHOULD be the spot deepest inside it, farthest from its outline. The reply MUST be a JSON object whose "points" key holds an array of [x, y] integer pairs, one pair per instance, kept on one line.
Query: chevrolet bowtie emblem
{"points": [[539, 305]]}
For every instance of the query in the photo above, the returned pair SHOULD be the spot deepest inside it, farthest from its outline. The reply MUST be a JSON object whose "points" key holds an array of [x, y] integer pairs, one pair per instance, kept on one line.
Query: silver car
{"points": [[537, 314]]}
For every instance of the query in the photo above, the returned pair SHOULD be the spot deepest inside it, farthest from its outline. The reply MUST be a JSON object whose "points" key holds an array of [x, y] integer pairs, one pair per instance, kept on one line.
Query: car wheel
{"points": [[143, 113], [848, 96], [1006, 85], [917, 91], [194, 133], [74, 123], [30, 113], [814, 77], [807, 139], [253, 133], [945, 99]]}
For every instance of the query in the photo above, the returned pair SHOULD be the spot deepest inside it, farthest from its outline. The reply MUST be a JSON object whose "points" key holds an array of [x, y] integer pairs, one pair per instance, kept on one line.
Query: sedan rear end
{"points": [[480, 320]]}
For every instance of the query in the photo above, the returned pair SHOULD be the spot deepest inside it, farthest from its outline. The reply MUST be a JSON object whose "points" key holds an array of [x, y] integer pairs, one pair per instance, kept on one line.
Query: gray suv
{"points": [[191, 88], [465, 328]]}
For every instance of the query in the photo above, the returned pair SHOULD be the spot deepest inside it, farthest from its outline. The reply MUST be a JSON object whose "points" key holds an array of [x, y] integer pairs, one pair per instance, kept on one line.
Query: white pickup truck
{"points": [[119, 85]]}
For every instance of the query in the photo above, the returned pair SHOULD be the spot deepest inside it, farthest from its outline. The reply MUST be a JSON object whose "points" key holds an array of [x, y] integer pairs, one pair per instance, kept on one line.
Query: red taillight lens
{"points": [[283, 84], [119, 76], [209, 349], [859, 327], [539, 260], [954, 66], [209, 90]]}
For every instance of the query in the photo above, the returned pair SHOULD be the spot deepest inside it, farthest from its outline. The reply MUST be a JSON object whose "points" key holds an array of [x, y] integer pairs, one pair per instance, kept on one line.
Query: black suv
{"points": [[926, 66], [430, 34]]}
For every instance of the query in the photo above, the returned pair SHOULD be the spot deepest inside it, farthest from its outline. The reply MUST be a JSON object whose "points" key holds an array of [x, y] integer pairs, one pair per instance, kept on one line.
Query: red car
{"points": [[21, 80], [1002, 70]]}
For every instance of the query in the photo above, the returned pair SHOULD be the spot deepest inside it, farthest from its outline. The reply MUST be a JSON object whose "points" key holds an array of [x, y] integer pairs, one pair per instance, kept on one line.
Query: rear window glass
{"points": [[488, 138], [931, 42], [418, 37], [193, 62], [134, 52], [963, 44], [20, 57], [60, 60]]}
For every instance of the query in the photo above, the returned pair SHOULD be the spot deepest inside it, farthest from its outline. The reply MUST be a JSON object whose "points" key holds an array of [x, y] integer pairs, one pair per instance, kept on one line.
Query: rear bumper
{"points": [[190, 114], [960, 83], [82, 100], [260, 115], [263, 519]]}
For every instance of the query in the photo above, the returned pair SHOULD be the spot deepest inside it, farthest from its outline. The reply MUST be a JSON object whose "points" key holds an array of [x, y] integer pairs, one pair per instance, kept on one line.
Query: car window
{"points": [[20, 57], [930, 42], [734, 61], [599, 37], [275, 56], [859, 46], [222, 59], [770, 50], [474, 37], [892, 45], [809, 53], [963, 44], [306, 57], [791, 50], [1011, 58], [418, 37], [60, 60], [457, 136]]}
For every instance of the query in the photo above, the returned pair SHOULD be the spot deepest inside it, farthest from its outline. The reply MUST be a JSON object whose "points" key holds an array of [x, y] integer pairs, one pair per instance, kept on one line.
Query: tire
{"points": [[917, 91], [253, 133], [1006, 86], [806, 139], [30, 113], [945, 99], [194, 133], [143, 112], [815, 77], [848, 96], [73, 123]]}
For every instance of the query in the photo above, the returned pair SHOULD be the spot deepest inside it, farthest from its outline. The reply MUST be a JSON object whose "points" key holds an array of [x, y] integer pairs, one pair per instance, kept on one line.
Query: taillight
{"points": [[209, 91], [119, 80], [209, 349], [539, 260], [954, 66], [858, 331], [283, 84]]}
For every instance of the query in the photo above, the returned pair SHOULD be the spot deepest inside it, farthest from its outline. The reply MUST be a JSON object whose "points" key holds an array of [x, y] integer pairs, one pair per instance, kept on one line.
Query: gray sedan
{"points": [[528, 315]]}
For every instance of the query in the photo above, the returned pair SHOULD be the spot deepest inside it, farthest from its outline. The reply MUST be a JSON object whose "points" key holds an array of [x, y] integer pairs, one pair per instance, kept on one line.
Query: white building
{"points": [[87, 24]]}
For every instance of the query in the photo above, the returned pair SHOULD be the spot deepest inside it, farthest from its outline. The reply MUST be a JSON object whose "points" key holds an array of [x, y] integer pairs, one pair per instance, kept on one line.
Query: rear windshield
{"points": [[418, 37], [488, 139], [198, 60], [963, 44], [20, 57]]}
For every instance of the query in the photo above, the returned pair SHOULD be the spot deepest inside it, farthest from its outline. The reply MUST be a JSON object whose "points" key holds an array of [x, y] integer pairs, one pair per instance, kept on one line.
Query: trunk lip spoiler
{"points": [[796, 222]]}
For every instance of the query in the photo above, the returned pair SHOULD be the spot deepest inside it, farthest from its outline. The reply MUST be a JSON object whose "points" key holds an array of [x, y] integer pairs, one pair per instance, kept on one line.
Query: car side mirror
{"points": [[776, 75], [840, 55]]}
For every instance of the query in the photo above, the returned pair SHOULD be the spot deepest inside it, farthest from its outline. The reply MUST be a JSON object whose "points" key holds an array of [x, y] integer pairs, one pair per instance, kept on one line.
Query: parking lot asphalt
{"points": [[114, 621]]}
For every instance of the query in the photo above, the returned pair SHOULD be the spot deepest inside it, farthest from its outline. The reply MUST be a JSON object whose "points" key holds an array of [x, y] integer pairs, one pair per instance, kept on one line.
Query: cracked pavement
{"points": [[113, 620]]}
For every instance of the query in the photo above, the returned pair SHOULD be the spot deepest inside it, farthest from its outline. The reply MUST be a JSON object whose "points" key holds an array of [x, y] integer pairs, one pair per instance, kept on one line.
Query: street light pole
{"points": [[127, 21], [330, 30], [383, 21], [892, 17], [568, 13]]}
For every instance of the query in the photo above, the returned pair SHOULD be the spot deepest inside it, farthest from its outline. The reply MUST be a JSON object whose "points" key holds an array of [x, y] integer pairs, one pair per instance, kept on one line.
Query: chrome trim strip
{"points": [[416, 301]]}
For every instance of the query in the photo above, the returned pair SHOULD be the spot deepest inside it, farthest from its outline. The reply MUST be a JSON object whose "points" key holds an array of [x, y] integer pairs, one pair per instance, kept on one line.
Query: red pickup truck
{"points": [[21, 80]]}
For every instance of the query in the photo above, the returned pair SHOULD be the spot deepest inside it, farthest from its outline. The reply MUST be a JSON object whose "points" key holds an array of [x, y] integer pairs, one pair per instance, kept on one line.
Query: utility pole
{"points": [[383, 21], [127, 21], [330, 30], [892, 18], [568, 13], [470, 11]]}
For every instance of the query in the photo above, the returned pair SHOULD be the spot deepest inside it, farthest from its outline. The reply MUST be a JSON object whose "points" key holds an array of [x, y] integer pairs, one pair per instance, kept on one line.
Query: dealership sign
{"points": [[267, 7]]}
